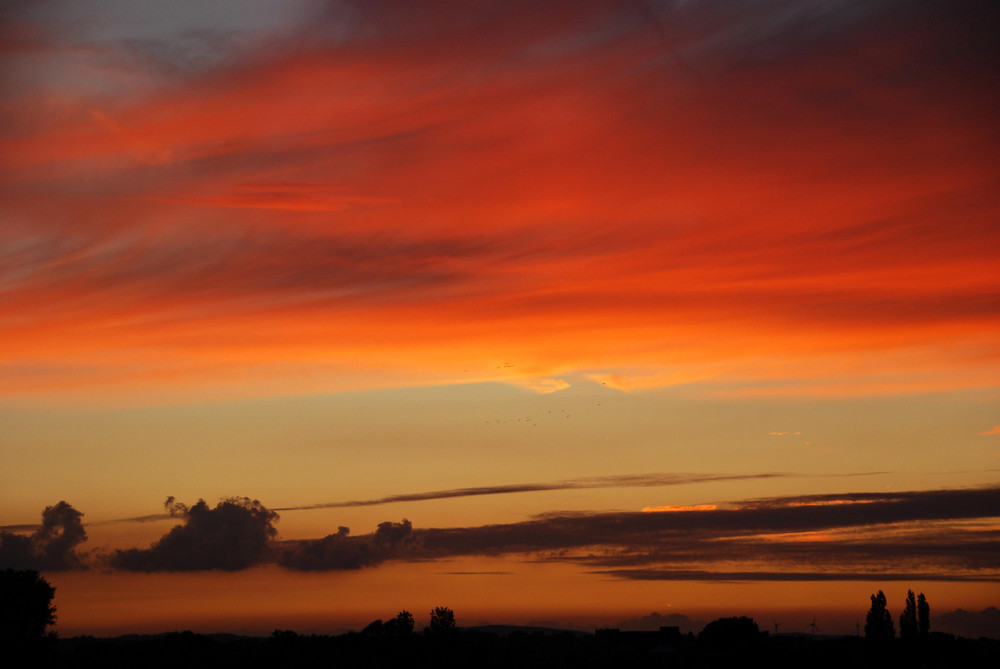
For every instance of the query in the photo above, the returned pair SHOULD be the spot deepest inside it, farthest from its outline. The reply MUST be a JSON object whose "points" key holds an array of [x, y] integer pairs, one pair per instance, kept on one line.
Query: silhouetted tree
{"points": [[283, 640], [25, 605], [731, 632], [405, 620], [401, 625], [442, 621], [374, 628], [878, 622], [908, 618], [923, 615]]}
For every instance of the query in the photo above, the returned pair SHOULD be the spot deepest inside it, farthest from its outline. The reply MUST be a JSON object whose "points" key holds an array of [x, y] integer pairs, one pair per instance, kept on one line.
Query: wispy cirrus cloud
{"points": [[756, 185], [618, 481]]}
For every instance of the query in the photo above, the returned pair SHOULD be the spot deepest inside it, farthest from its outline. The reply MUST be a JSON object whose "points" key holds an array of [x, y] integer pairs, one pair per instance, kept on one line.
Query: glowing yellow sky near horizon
{"points": [[124, 462]]}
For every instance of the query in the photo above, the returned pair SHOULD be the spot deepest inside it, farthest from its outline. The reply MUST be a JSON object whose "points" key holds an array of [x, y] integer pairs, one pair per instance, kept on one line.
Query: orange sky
{"points": [[313, 252]]}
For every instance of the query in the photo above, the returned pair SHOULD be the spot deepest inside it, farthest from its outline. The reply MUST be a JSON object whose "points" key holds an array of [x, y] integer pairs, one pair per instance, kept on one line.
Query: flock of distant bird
{"points": [[528, 419]]}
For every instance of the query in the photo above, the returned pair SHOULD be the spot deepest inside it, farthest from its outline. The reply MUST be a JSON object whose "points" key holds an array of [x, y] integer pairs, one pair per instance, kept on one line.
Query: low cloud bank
{"points": [[342, 551], [917, 535], [759, 523], [944, 535]]}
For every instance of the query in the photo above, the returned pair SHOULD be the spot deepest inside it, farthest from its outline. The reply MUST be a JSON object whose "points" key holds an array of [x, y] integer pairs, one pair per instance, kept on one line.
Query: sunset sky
{"points": [[572, 311]]}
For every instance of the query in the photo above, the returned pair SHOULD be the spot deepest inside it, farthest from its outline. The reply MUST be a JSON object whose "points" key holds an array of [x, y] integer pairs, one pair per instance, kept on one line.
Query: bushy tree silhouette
{"points": [[731, 633], [878, 622], [26, 608], [442, 621], [401, 625], [374, 628]]}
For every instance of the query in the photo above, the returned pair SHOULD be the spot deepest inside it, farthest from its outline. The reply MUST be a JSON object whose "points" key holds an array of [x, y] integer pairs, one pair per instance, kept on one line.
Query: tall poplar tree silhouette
{"points": [[923, 615], [908, 618], [878, 622]]}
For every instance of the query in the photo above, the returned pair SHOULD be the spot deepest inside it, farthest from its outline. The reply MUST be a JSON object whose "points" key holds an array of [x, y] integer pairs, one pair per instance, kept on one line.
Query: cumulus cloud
{"points": [[238, 533], [342, 551], [52, 547]]}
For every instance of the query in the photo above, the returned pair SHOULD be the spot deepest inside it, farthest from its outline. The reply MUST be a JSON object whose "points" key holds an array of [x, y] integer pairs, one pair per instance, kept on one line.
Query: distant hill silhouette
{"points": [[655, 621]]}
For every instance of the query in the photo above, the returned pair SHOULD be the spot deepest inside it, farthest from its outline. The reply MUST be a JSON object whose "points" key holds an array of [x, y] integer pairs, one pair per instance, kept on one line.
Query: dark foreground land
{"points": [[521, 648]]}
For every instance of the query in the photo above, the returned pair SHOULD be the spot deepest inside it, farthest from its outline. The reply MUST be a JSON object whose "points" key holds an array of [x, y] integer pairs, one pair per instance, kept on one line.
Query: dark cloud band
{"points": [[584, 483], [945, 535], [786, 576]]}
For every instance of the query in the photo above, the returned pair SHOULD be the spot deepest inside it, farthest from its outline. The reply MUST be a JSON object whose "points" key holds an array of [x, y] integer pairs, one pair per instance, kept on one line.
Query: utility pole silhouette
{"points": [[776, 626], [812, 627]]}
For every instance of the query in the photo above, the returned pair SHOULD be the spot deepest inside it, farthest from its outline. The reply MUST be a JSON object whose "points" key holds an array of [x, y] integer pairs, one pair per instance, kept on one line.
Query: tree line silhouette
{"points": [[27, 614], [914, 622], [442, 624]]}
